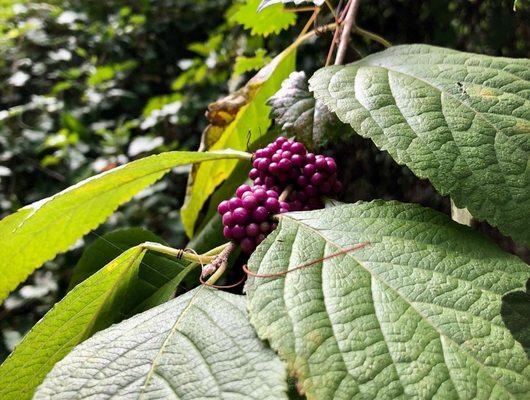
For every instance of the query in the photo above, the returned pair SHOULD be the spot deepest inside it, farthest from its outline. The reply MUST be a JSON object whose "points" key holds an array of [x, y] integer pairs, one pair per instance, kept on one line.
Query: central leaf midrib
{"points": [[375, 276]]}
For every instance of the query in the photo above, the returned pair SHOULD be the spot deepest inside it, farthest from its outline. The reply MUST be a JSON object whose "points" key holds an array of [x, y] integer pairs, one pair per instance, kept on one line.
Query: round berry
{"points": [[260, 195], [272, 205], [227, 232], [250, 202], [297, 160], [263, 164], [227, 219], [265, 227], [248, 245], [260, 214], [252, 229], [321, 164], [309, 170], [272, 193], [310, 158], [238, 232], [242, 189], [253, 174], [298, 148], [317, 179], [235, 203], [223, 207], [240, 215]]}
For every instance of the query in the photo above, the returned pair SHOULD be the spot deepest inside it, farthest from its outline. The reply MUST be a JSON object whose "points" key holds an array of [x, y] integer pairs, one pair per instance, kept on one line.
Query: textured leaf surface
{"points": [[38, 232], [237, 121], [461, 120], [92, 305], [199, 345], [272, 20], [297, 112], [267, 3], [414, 314]]}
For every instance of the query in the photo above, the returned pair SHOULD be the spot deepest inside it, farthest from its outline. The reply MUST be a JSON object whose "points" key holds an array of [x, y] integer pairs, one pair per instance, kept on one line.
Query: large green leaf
{"points": [[413, 314], [199, 345], [36, 233], [91, 306], [236, 122], [461, 120]]}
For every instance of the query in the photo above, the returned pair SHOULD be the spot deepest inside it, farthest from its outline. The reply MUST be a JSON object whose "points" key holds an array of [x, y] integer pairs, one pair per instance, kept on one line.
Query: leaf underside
{"points": [[413, 314], [297, 112], [461, 120], [199, 345]]}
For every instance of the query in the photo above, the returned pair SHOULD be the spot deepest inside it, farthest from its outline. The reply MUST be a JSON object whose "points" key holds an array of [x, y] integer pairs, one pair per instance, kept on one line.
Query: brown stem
{"points": [[349, 23], [285, 193], [218, 265]]}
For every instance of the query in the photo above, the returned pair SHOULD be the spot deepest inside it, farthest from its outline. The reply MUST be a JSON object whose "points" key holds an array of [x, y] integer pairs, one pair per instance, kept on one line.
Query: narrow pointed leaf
{"points": [[38, 232], [461, 120], [199, 345], [416, 313]]}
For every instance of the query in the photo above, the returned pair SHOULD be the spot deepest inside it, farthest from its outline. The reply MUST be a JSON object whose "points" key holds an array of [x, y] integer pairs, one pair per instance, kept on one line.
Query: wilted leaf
{"points": [[199, 345], [37, 232], [416, 313], [461, 120], [298, 113]]}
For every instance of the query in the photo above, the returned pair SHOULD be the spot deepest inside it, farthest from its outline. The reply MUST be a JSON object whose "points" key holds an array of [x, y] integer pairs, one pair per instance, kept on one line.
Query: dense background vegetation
{"points": [[87, 86]]}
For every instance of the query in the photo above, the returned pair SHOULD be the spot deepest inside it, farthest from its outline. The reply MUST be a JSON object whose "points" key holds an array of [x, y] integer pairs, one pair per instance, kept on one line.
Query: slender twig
{"points": [[218, 265], [310, 21], [349, 23], [300, 9], [185, 254], [287, 191], [372, 36], [330, 6]]}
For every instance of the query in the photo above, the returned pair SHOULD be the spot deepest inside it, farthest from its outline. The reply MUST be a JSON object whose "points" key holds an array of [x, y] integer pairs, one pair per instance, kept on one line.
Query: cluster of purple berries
{"points": [[285, 178]]}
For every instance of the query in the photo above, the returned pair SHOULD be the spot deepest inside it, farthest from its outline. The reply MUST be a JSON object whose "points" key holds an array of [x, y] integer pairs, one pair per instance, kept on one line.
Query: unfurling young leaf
{"points": [[297, 112], [199, 345], [271, 20], [38, 232], [459, 119], [415, 313]]}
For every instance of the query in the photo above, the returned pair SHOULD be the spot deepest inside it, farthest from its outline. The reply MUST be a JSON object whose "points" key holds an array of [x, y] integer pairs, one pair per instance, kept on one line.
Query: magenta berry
{"points": [[283, 164]]}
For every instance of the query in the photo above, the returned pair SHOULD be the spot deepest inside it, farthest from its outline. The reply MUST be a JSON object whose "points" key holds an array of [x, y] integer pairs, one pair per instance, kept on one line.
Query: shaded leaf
{"points": [[413, 314], [93, 305], [297, 112], [245, 64], [268, 3], [37, 232], [271, 20], [199, 345], [461, 120], [516, 315], [236, 122]]}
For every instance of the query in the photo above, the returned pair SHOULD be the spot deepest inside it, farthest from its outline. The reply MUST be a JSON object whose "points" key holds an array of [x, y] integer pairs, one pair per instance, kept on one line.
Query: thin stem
{"points": [[372, 36], [287, 191], [310, 21], [178, 253], [349, 23], [330, 6], [219, 264]]}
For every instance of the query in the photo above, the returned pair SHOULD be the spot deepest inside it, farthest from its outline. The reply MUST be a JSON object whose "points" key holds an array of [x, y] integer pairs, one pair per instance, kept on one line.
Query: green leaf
{"points": [[106, 248], [245, 64], [297, 112], [199, 345], [516, 315], [36, 233], [268, 3], [413, 314], [271, 20], [93, 305], [237, 121], [461, 120]]}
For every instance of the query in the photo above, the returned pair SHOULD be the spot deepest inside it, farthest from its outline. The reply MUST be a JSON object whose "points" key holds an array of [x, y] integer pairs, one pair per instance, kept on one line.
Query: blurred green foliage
{"points": [[88, 85]]}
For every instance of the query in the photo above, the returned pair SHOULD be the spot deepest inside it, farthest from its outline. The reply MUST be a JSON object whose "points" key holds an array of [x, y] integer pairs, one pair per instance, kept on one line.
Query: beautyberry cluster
{"points": [[285, 178]]}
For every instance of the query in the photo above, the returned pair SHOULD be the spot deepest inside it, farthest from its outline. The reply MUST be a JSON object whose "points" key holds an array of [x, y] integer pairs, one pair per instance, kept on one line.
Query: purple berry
{"points": [[309, 170], [242, 189], [263, 164], [250, 202], [310, 158], [265, 227], [240, 215], [227, 219], [248, 245], [227, 232], [298, 148], [235, 203], [260, 195], [223, 207], [297, 160], [321, 164], [252, 229], [260, 214], [260, 238], [317, 179], [272, 193], [253, 174], [238, 232], [272, 205]]}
